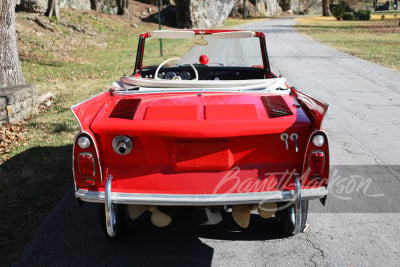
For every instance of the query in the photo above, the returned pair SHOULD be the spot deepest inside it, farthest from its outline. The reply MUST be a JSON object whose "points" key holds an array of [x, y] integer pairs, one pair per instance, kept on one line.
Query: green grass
{"points": [[376, 40], [73, 64]]}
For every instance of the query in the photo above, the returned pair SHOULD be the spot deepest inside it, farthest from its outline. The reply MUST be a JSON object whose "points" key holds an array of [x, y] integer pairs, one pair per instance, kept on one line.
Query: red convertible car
{"points": [[215, 129]]}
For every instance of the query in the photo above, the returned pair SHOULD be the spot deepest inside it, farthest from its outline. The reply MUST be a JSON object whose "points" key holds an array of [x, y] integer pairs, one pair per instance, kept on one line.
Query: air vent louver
{"points": [[125, 109], [276, 106]]}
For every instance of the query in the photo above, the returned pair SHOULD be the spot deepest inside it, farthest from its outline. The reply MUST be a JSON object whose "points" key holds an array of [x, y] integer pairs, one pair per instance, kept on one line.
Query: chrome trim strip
{"points": [[197, 90], [200, 200]]}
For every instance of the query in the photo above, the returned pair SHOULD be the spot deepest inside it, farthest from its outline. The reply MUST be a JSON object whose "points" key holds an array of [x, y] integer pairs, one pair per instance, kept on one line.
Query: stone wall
{"points": [[40, 6], [77, 4], [36, 6], [257, 8], [17, 102], [203, 14]]}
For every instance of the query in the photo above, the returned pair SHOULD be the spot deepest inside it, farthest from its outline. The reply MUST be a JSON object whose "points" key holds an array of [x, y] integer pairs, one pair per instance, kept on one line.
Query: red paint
{"points": [[315, 108], [167, 113], [202, 156], [230, 112]]}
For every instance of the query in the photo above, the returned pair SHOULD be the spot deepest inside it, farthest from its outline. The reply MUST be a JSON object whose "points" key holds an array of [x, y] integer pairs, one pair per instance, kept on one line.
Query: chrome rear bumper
{"points": [[110, 199], [200, 200]]}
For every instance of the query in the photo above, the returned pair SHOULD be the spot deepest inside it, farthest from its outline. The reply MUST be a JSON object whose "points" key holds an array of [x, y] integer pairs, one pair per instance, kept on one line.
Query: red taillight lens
{"points": [[317, 162], [86, 165]]}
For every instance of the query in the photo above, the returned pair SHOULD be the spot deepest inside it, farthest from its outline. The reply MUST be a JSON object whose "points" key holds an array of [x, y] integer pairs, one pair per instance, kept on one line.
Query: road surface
{"points": [[359, 225]]}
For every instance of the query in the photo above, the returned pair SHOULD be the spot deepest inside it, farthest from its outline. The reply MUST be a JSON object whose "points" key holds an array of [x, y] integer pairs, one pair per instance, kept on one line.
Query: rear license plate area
{"points": [[202, 156]]}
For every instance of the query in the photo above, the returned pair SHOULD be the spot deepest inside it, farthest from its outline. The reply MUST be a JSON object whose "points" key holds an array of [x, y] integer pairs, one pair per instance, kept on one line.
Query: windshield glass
{"points": [[244, 52]]}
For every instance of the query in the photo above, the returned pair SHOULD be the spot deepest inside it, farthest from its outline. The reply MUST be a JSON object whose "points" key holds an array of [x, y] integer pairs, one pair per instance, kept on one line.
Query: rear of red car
{"points": [[226, 135], [200, 149]]}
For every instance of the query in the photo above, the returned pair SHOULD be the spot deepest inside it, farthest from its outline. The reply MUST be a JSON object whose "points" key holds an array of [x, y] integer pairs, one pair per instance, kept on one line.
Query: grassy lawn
{"points": [[74, 59], [376, 40]]}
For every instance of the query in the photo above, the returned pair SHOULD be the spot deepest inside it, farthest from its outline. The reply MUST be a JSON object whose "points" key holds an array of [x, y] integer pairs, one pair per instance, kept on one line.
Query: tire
{"points": [[285, 217], [121, 226]]}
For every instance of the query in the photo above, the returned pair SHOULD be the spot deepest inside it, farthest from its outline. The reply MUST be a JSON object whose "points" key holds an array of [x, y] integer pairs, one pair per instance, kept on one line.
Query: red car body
{"points": [[216, 145]]}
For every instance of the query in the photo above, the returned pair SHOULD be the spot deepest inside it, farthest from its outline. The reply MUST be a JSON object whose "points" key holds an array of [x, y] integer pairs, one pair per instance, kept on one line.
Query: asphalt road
{"points": [[359, 225]]}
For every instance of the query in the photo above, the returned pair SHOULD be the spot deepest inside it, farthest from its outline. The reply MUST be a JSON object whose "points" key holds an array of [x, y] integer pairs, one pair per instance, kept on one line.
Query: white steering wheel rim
{"points": [[175, 58]]}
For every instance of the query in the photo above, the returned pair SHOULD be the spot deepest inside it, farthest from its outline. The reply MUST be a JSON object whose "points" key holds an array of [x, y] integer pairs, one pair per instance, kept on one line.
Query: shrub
{"points": [[363, 14], [348, 16], [338, 11]]}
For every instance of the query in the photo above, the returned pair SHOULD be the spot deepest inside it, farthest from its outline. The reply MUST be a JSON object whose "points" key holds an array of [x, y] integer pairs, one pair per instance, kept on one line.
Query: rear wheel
{"points": [[286, 216], [118, 221]]}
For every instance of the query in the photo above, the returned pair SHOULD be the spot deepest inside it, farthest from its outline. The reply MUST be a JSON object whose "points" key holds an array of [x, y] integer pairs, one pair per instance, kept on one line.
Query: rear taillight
{"points": [[317, 162], [86, 165]]}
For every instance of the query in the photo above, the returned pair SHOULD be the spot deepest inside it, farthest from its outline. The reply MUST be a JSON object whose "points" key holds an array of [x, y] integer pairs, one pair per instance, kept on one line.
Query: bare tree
{"points": [[10, 66], [52, 9], [325, 8], [122, 7], [93, 4]]}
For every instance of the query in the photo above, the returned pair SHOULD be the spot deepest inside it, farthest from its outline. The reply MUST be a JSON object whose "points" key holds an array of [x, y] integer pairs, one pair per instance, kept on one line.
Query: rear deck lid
{"points": [[201, 115]]}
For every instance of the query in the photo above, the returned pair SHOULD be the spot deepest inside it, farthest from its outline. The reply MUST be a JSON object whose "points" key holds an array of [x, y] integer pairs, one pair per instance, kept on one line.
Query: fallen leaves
{"points": [[11, 136]]}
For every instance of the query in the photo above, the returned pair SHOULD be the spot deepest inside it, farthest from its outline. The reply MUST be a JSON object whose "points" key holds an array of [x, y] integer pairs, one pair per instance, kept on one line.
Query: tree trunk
{"points": [[325, 8], [93, 4], [52, 9], [122, 7], [244, 9], [10, 66]]}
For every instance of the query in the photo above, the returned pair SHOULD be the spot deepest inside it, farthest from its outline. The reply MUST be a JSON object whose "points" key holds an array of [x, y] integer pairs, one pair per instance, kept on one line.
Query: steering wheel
{"points": [[175, 58]]}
